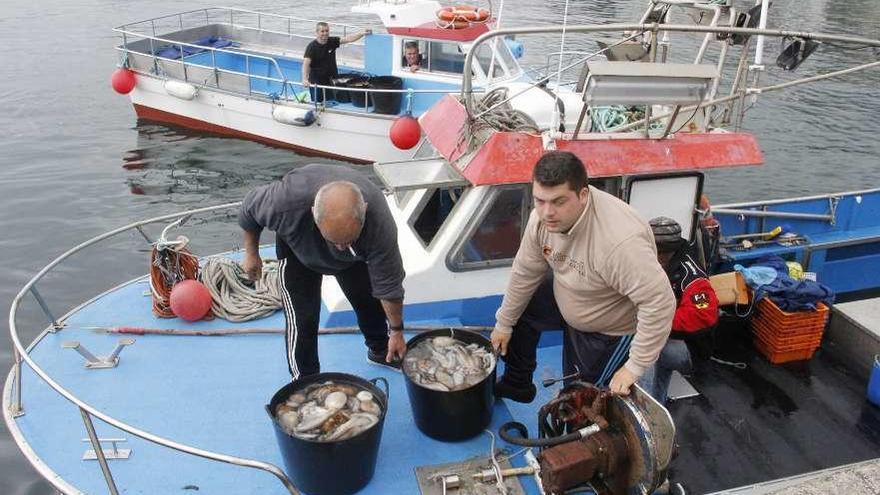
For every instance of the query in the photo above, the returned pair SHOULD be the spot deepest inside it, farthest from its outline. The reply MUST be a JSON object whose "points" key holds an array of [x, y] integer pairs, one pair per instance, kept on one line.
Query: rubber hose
{"points": [[524, 440]]}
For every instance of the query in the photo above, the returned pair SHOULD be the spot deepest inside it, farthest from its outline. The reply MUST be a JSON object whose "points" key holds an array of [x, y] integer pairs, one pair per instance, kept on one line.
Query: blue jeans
{"points": [[674, 357]]}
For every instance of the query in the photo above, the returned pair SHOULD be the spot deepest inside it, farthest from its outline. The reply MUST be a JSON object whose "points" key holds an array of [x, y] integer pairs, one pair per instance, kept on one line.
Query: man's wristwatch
{"points": [[393, 328]]}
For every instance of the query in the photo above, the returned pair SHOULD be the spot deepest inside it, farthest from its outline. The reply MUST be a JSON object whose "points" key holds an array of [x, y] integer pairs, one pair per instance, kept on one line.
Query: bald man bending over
{"points": [[329, 220]]}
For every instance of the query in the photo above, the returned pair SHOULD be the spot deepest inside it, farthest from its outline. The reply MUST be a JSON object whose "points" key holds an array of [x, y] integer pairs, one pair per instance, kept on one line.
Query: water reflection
{"points": [[193, 167]]}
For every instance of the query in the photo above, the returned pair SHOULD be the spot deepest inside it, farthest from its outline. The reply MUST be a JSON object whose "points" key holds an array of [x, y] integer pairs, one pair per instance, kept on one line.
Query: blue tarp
{"points": [[789, 294], [174, 51]]}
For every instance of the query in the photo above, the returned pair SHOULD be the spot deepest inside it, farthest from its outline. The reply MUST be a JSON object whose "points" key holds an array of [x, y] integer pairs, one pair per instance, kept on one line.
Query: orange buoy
{"points": [[190, 300], [405, 132], [123, 81], [461, 16]]}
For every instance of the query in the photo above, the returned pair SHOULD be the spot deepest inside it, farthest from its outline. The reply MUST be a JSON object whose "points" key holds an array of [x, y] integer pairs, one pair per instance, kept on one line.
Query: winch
{"points": [[617, 444]]}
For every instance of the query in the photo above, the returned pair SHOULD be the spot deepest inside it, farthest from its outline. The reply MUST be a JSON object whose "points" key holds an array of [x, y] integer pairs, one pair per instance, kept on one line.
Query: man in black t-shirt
{"points": [[319, 60]]}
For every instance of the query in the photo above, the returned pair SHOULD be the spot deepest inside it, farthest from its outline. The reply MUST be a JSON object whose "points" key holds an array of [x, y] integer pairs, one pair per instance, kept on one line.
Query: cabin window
{"points": [[493, 238], [433, 212], [445, 57]]}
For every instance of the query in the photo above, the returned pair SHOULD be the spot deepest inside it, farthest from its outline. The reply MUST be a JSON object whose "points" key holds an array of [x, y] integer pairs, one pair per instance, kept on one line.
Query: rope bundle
{"points": [[170, 263], [235, 297]]}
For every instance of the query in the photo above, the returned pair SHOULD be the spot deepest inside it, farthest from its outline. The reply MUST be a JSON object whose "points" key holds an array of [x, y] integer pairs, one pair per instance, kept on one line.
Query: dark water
{"points": [[74, 163]]}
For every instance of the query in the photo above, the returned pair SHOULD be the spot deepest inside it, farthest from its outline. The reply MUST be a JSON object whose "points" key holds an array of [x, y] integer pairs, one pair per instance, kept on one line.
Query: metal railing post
{"points": [[17, 409], [99, 452], [214, 65], [155, 60], [54, 321]]}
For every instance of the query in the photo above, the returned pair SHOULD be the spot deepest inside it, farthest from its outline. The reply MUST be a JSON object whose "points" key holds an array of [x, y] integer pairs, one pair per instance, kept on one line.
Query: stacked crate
{"points": [[782, 336]]}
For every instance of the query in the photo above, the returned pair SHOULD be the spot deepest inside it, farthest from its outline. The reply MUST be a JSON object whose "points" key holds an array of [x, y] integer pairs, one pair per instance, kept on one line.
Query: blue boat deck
{"points": [[210, 393], [747, 426]]}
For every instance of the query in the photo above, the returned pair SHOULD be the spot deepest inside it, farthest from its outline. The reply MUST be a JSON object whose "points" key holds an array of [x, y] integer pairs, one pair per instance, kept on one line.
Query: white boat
{"points": [[238, 72]]}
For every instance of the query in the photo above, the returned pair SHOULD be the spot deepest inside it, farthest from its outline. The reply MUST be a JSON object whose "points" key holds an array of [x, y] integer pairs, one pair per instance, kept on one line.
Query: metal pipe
{"points": [[759, 48], [99, 452], [45, 307], [765, 89], [17, 409], [753, 204], [708, 36], [467, 80], [771, 214]]}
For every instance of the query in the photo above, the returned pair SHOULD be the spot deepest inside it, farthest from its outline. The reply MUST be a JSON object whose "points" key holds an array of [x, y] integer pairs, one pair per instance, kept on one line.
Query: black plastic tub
{"points": [[386, 103], [330, 468], [457, 415], [342, 81], [358, 97]]}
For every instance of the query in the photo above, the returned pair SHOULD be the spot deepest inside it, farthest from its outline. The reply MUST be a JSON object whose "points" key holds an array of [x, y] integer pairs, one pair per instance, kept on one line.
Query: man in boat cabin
{"points": [[695, 315], [586, 264], [412, 57], [329, 220], [319, 60]]}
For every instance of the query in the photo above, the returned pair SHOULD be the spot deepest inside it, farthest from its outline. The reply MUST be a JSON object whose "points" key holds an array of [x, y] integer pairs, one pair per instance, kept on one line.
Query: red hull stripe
{"points": [[508, 157], [154, 115], [431, 30]]}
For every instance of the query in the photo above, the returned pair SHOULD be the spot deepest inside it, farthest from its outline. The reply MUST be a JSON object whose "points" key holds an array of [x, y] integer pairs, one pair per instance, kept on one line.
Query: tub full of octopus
{"points": [[450, 375], [326, 421]]}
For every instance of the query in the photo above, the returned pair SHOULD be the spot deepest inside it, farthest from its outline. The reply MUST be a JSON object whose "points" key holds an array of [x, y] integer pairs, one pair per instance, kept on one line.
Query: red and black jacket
{"points": [[697, 309]]}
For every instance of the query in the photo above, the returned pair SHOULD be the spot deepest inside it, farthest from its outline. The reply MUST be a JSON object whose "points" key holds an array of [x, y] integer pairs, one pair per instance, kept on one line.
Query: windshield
{"points": [[504, 64]]}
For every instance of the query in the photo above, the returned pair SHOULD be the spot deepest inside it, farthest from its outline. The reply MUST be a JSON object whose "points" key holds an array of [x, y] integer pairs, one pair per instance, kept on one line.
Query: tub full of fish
{"points": [[325, 421], [449, 376]]}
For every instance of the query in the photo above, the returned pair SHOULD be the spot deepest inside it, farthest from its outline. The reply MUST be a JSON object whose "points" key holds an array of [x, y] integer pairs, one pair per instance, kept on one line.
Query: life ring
{"points": [[466, 13]]}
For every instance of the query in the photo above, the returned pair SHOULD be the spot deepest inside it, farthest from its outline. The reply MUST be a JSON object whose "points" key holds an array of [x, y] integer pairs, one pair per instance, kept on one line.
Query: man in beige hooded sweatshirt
{"points": [[587, 264]]}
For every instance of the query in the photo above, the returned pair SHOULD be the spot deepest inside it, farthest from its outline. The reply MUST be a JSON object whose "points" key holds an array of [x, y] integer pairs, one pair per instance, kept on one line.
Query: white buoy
{"points": [[293, 116], [182, 90]]}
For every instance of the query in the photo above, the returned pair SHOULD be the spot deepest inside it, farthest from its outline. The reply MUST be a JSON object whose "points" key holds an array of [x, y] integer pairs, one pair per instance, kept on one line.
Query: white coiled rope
{"points": [[235, 297]]}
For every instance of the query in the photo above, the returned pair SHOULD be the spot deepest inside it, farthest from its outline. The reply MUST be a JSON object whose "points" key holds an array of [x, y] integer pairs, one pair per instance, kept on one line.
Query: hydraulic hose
{"points": [[524, 440]]}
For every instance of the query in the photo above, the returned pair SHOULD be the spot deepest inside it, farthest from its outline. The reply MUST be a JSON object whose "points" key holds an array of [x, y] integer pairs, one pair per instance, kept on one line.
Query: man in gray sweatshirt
{"points": [[607, 291], [329, 220]]}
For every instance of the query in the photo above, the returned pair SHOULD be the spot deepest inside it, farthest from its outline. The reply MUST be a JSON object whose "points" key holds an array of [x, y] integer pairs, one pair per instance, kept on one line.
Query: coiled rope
{"points": [[502, 118], [170, 263], [235, 297]]}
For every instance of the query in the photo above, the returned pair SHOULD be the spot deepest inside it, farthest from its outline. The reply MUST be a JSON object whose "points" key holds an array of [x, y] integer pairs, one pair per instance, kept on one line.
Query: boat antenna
{"points": [[550, 141]]}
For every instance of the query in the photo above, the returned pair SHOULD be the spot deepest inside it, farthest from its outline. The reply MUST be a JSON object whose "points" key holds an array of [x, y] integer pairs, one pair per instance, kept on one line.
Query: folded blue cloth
{"points": [[769, 277], [174, 51]]}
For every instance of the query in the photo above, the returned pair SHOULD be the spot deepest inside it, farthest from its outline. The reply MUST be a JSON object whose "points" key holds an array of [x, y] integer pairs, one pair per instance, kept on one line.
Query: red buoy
{"points": [[190, 300], [405, 132], [123, 81]]}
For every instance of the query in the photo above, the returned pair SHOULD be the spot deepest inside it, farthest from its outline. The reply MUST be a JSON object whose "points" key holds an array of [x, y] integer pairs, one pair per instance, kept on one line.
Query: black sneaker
{"points": [[516, 393], [379, 358]]}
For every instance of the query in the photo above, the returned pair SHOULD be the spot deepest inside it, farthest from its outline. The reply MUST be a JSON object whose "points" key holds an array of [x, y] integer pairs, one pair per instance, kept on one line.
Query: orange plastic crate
{"points": [[768, 311], [779, 357], [788, 343]]}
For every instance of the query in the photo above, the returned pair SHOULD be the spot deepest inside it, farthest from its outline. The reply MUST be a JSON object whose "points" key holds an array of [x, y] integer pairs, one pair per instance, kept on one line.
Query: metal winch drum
{"points": [[330, 468], [455, 415]]}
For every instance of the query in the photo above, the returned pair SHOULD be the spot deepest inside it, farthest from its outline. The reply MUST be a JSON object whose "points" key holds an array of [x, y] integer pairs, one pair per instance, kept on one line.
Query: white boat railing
{"points": [[233, 17], [88, 412]]}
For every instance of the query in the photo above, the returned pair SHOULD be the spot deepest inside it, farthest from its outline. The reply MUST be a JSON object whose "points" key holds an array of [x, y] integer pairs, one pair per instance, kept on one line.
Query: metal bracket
{"points": [[93, 362], [833, 201], [112, 453], [534, 464]]}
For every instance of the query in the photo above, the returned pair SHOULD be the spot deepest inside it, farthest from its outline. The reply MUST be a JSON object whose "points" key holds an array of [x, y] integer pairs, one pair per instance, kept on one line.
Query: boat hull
{"points": [[350, 136]]}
